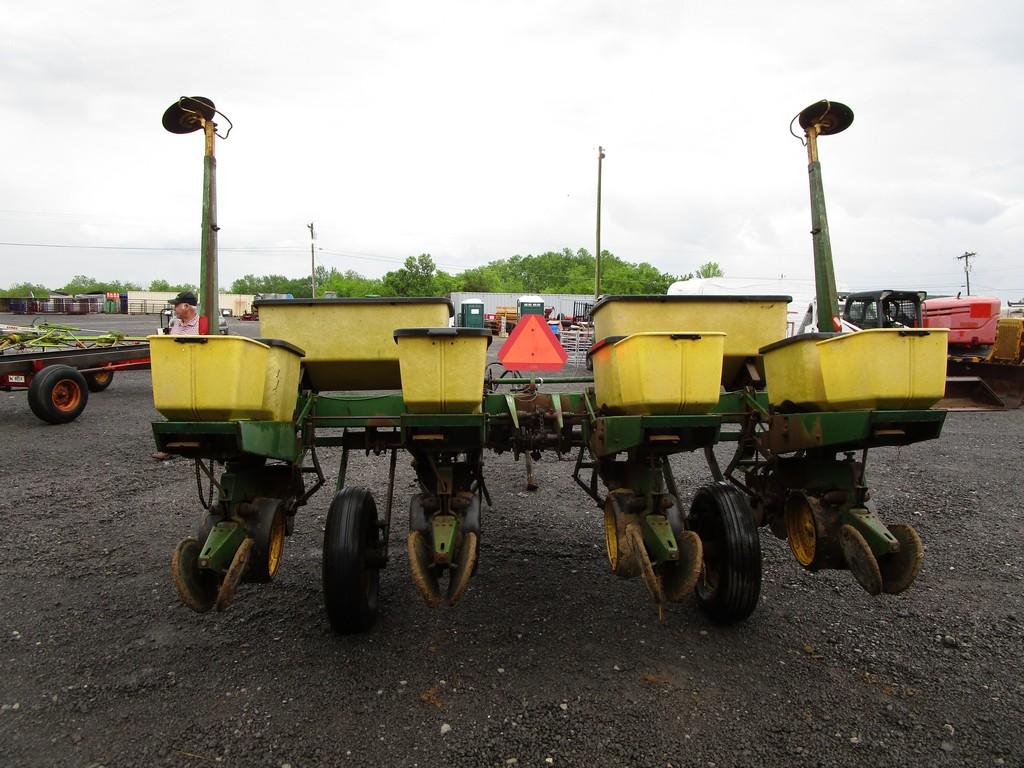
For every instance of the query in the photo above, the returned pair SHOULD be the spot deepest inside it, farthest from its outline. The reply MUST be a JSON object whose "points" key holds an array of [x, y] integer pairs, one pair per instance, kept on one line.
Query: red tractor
{"points": [[986, 352]]}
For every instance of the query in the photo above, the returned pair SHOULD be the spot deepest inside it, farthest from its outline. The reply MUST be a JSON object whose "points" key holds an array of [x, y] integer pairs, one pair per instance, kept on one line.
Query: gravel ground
{"points": [[548, 660]]}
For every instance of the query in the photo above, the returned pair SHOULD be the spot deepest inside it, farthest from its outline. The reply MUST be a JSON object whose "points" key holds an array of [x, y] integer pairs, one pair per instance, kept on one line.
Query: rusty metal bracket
{"points": [[589, 488], [871, 527], [388, 502]]}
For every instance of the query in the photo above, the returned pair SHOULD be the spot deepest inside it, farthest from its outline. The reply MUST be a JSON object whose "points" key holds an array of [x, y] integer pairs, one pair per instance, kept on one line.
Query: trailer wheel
{"points": [[58, 394], [351, 564], [266, 526], [97, 381], [730, 585]]}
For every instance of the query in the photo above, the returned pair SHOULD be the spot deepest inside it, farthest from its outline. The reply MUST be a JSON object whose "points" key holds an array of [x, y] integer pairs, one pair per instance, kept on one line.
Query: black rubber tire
{"points": [[58, 394], [97, 381], [265, 525], [351, 579], [730, 585]]}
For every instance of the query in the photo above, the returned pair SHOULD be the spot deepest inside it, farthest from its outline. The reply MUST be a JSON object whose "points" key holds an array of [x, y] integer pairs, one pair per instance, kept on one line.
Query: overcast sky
{"points": [[469, 130]]}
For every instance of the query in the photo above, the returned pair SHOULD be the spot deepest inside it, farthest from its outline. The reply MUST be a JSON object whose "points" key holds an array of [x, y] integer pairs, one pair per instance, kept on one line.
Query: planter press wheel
{"points": [[196, 587], [97, 381], [900, 569], [426, 575], [421, 566], [860, 559], [644, 565], [679, 578], [58, 394], [730, 585], [234, 574], [351, 571], [267, 529], [461, 571]]}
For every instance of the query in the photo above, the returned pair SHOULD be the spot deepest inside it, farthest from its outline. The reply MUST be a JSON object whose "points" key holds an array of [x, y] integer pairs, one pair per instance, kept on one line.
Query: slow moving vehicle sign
{"points": [[532, 347]]}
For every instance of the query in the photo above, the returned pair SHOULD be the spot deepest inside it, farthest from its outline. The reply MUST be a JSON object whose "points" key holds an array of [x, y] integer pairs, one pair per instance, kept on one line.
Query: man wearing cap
{"points": [[187, 320]]}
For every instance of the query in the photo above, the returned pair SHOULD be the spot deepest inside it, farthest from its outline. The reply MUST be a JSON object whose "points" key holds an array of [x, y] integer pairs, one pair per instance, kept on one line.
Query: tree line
{"points": [[564, 271], [83, 284]]}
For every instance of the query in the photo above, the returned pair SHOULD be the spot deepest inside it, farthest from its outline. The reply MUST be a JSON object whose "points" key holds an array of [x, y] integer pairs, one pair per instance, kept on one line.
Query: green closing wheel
{"points": [[421, 566], [643, 562], [426, 573], [196, 587], [860, 559], [239, 564], [900, 569], [679, 578], [462, 569]]}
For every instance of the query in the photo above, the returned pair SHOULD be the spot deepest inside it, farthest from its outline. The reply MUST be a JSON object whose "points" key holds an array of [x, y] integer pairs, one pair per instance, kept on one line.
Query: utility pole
{"points": [[597, 255], [312, 258], [967, 267]]}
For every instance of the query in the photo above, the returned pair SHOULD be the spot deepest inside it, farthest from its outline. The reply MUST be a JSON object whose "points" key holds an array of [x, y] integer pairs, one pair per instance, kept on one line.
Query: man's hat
{"points": [[185, 297]]}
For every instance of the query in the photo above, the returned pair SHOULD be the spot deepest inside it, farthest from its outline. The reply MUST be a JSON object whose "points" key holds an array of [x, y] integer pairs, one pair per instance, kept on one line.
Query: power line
{"points": [[262, 249], [967, 268], [369, 257]]}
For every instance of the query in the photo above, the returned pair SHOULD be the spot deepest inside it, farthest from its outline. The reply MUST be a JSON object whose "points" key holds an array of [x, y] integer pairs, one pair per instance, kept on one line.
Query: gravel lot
{"points": [[548, 660]]}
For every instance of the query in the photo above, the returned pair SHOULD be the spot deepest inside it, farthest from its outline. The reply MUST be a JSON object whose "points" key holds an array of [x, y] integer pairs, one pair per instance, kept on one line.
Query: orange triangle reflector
{"points": [[532, 347]]}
